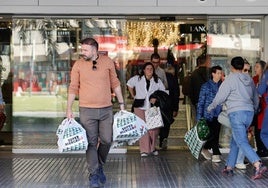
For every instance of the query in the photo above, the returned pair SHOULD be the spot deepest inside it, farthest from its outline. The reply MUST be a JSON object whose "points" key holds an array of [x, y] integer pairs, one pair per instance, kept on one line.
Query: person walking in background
{"points": [[2, 103], [263, 91], [145, 85], [2, 109], [164, 131], [7, 91], [174, 94], [92, 77], [261, 149], [207, 94], [240, 162], [155, 60], [239, 94], [198, 77]]}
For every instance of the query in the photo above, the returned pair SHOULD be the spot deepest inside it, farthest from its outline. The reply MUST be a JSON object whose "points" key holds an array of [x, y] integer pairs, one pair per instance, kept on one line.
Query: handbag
{"points": [[153, 118], [71, 136], [224, 119], [193, 142], [2, 119], [138, 103]]}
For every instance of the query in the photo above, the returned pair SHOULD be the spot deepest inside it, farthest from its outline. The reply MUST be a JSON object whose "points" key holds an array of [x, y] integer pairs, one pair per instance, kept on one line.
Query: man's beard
{"points": [[86, 58]]}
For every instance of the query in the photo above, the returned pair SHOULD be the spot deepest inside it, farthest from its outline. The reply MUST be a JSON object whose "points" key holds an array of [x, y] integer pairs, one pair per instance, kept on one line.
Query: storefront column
{"points": [[265, 40]]}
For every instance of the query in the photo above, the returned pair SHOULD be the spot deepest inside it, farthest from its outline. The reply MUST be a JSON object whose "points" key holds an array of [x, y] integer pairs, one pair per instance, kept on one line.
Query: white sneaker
{"points": [[241, 166], [155, 152], [206, 154], [216, 158], [144, 154]]}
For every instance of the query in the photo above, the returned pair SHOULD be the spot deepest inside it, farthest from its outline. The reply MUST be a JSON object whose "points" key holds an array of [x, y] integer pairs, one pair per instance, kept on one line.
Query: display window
{"points": [[41, 53]]}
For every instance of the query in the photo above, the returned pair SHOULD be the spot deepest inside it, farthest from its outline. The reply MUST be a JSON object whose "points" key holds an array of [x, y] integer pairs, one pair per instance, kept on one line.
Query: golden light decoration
{"points": [[141, 33]]}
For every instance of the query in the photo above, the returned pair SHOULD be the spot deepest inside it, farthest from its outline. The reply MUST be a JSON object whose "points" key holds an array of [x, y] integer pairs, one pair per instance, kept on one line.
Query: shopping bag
{"points": [[71, 136], [2, 119], [224, 119], [193, 142], [127, 128], [153, 118], [202, 129]]}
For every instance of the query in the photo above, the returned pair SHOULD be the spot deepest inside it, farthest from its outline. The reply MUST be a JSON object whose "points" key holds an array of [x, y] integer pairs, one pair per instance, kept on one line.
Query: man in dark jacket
{"points": [[198, 77], [169, 105]]}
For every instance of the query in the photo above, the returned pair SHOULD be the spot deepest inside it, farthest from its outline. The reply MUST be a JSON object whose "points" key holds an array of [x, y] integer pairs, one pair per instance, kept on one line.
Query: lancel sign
{"points": [[192, 28]]}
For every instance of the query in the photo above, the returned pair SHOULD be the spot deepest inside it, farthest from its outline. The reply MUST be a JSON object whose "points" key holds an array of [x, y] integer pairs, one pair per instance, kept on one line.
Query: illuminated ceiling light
{"points": [[246, 20]]}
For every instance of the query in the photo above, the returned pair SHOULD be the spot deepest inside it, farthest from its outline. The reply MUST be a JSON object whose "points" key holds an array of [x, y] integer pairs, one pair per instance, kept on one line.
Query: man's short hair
{"points": [[155, 56], [91, 42], [215, 68], [238, 63]]}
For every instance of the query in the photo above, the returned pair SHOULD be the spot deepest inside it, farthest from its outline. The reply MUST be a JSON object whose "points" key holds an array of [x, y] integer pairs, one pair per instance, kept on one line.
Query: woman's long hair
{"points": [[154, 74], [264, 67]]}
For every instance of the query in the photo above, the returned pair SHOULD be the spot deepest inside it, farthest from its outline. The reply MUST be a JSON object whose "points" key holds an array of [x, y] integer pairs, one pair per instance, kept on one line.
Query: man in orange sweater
{"points": [[92, 77]]}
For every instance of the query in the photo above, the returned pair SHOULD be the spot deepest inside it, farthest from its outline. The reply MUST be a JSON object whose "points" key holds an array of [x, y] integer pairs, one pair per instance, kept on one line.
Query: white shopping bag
{"points": [[224, 119], [193, 142], [153, 118], [71, 136], [127, 127]]}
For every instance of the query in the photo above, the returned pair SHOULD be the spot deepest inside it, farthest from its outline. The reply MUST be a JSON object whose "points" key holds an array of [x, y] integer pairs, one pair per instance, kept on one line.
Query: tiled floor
{"points": [[174, 168]]}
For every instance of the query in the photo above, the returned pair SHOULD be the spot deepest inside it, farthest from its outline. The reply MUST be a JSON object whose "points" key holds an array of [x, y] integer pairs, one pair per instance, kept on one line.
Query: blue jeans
{"points": [[240, 121], [240, 157], [264, 128]]}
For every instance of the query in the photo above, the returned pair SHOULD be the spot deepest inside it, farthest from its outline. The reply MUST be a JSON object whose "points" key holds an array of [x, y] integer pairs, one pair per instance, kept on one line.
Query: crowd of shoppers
{"points": [[239, 94], [96, 73]]}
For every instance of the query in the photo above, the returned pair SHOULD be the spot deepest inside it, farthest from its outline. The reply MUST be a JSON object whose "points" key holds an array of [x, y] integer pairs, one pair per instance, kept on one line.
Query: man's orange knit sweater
{"points": [[94, 86]]}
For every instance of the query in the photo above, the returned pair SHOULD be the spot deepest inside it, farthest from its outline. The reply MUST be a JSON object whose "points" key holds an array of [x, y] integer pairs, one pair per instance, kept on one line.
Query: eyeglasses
{"points": [[94, 67], [246, 70]]}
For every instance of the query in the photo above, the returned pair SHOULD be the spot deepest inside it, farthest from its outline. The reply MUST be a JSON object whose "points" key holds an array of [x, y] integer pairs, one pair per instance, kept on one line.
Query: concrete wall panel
{"points": [[68, 2], [115, 7], [189, 3], [18, 2], [137, 3], [242, 3]]}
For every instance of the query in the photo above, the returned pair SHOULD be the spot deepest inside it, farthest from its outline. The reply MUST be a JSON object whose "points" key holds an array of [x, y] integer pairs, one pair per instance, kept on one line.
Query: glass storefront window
{"points": [[229, 37], [43, 51]]}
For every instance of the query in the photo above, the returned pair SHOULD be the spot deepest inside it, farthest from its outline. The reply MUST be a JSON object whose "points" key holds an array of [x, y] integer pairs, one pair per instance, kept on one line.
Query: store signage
{"points": [[192, 28]]}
